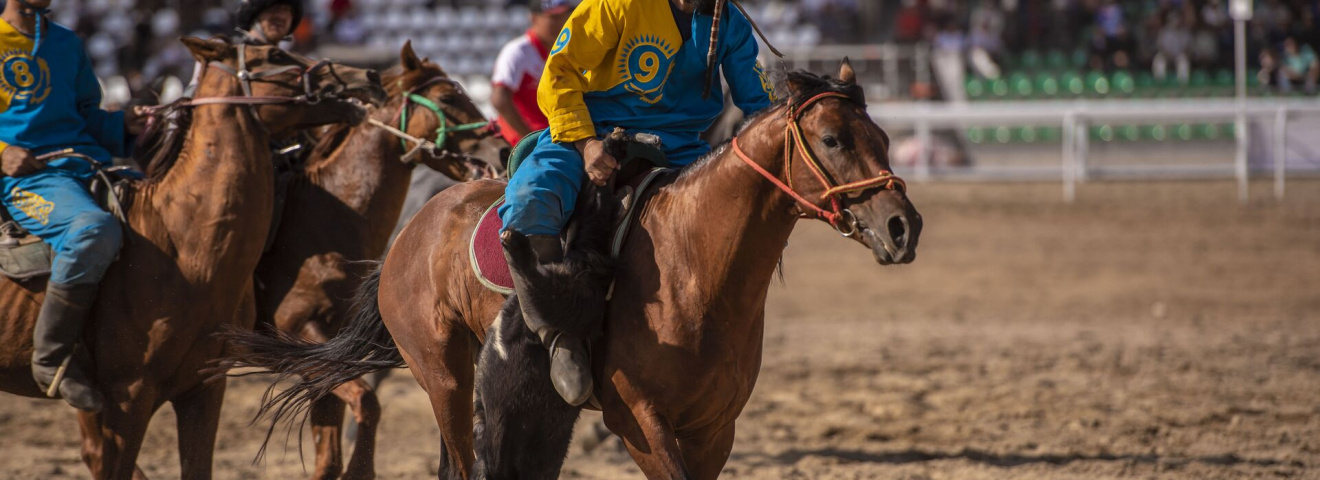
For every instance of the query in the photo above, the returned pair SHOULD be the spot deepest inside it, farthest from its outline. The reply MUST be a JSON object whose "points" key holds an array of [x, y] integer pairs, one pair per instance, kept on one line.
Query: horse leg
{"points": [[327, 416], [650, 440], [447, 377], [112, 439], [705, 454], [198, 415], [361, 398]]}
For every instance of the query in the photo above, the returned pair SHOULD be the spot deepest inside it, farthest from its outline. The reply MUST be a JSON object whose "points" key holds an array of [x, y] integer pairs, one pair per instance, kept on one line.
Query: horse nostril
{"points": [[898, 231], [373, 77]]}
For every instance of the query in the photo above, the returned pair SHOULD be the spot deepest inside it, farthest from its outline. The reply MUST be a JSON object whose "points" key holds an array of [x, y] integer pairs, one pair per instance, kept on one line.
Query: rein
{"points": [[245, 78], [839, 217], [441, 133]]}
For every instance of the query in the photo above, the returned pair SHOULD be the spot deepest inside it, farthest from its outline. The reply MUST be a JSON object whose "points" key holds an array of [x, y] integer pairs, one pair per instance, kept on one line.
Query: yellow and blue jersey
{"points": [[624, 63], [52, 101]]}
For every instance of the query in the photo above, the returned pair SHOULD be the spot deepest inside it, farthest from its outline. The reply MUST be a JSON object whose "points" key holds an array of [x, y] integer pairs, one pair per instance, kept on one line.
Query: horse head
{"points": [[289, 92], [839, 161], [466, 148]]}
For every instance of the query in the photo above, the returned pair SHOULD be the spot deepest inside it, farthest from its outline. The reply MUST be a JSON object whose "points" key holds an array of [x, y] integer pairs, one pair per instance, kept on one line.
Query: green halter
{"points": [[442, 133]]}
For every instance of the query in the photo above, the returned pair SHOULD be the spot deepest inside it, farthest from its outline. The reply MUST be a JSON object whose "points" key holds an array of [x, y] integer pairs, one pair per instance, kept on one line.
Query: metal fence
{"points": [[1074, 117]]}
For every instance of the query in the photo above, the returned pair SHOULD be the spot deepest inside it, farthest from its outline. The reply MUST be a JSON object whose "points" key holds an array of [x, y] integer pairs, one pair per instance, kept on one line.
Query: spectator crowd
{"points": [[1168, 38]]}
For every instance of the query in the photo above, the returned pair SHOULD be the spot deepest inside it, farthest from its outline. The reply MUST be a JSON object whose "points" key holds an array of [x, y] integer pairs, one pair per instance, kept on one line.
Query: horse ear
{"points": [[846, 72], [205, 50], [409, 57]]}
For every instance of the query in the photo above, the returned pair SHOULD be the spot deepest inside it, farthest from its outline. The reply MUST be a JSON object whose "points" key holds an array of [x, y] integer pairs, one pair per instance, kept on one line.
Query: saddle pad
{"points": [[21, 259], [486, 254]]}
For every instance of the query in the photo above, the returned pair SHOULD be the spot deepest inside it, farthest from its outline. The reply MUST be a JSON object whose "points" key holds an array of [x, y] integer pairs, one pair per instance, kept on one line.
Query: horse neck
{"points": [[731, 247], [364, 174], [216, 198]]}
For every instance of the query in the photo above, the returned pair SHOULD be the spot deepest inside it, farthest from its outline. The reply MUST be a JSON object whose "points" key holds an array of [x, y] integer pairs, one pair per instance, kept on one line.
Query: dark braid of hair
{"points": [[714, 47]]}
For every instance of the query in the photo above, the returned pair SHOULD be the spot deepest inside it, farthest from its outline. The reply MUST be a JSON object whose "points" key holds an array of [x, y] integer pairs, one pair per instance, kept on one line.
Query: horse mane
{"points": [[794, 88], [158, 148]]}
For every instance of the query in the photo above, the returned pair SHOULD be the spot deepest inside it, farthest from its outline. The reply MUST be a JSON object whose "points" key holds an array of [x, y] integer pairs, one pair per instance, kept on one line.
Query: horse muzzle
{"points": [[894, 241]]}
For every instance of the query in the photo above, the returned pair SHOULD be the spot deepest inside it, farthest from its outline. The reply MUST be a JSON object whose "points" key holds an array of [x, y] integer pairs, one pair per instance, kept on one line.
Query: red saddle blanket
{"points": [[486, 254]]}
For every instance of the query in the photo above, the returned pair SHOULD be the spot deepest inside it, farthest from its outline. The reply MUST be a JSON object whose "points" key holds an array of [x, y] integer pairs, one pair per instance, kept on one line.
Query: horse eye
{"points": [[830, 141]]}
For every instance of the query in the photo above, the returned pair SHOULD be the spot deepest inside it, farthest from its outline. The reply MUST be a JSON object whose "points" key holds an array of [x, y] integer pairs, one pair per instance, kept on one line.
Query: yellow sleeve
{"points": [[590, 35], [3, 146]]}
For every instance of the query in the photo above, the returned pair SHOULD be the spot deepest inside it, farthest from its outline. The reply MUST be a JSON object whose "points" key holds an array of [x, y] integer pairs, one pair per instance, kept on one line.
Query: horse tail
{"points": [[362, 347]]}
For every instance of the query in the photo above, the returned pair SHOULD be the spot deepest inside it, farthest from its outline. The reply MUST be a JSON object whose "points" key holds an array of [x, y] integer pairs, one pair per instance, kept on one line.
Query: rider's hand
{"points": [[18, 161], [135, 119], [600, 165]]}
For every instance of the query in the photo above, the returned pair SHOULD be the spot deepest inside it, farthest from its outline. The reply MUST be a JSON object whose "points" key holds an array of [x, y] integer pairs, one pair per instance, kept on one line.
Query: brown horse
{"points": [[340, 211], [682, 344], [195, 231]]}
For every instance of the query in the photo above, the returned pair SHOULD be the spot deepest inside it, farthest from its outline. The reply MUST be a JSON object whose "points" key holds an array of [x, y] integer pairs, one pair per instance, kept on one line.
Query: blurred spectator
{"points": [[349, 29], [1172, 46], [518, 70], [1299, 66]]}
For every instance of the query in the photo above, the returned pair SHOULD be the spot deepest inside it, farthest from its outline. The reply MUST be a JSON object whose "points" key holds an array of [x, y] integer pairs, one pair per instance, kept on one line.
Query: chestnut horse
{"points": [[340, 211], [683, 339], [196, 228]]}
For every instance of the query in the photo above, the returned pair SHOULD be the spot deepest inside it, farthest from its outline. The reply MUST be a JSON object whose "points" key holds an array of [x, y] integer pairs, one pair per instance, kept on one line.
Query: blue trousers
{"points": [[542, 193], [56, 206]]}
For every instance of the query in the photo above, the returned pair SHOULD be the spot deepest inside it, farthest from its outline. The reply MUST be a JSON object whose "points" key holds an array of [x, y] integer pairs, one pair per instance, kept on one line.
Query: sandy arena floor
{"points": [[1152, 330]]}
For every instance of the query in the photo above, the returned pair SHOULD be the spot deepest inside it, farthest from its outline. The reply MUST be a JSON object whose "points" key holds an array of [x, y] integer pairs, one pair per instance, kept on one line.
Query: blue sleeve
{"points": [[751, 90], [106, 127]]}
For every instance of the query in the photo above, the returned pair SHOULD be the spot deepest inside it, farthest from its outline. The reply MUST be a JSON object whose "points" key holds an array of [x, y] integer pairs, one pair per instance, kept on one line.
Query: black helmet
{"points": [[248, 11]]}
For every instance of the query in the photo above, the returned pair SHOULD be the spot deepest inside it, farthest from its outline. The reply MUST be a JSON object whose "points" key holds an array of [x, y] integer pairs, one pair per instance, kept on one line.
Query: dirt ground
{"points": [[1151, 330]]}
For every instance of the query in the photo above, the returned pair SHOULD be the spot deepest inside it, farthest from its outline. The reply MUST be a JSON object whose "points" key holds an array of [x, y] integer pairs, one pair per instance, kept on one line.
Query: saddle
{"points": [[641, 162], [24, 256]]}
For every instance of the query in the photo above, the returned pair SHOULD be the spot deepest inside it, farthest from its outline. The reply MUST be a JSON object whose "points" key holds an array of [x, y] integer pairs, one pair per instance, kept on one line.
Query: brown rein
{"points": [[839, 217], [245, 78]]}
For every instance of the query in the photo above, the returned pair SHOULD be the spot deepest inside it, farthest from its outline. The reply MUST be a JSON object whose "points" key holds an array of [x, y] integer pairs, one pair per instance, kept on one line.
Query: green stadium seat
{"points": [[976, 88], [1020, 85], [976, 135], [1025, 134], [1047, 84], [1122, 83], [1070, 83], [1146, 86], [1056, 60], [1050, 134], [1129, 133], [1104, 133], [999, 88], [1080, 57], [1030, 60], [1097, 84], [1182, 132], [1003, 135]]}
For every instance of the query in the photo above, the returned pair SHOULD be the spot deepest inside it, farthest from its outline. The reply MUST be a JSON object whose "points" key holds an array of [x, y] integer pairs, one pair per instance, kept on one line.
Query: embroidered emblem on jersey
{"points": [[765, 82], [561, 41], [644, 66], [31, 204], [22, 78]]}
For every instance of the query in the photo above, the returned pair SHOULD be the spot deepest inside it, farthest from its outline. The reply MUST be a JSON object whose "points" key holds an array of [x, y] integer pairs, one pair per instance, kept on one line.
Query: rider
{"points": [[636, 64], [260, 22], [50, 100]]}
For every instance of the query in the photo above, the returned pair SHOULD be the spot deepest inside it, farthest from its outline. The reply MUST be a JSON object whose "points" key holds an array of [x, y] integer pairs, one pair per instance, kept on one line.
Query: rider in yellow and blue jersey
{"points": [[50, 100], [636, 64]]}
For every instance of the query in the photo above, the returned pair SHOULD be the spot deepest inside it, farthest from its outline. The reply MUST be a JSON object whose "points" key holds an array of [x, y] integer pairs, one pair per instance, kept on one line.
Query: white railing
{"points": [[1075, 116]]}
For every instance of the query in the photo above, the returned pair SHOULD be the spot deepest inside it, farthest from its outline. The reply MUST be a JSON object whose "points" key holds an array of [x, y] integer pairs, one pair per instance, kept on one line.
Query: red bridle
{"points": [[794, 136]]}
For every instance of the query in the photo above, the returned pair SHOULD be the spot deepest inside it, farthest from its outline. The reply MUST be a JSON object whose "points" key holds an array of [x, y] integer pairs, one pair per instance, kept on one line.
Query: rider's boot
{"points": [[55, 366], [570, 364]]}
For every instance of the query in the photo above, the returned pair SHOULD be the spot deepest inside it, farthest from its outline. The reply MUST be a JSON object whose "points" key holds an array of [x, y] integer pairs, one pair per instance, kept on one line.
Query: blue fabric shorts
{"points": [[542, 193], [55, 205]]}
